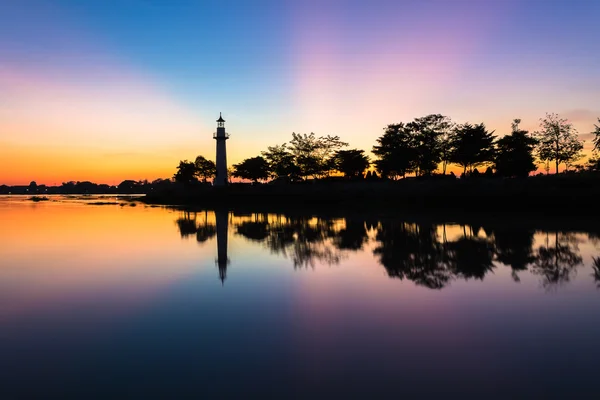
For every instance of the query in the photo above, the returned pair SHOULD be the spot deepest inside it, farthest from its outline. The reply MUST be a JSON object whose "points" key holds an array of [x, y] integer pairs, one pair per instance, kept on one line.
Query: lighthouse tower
{"points": [[221, 136]]}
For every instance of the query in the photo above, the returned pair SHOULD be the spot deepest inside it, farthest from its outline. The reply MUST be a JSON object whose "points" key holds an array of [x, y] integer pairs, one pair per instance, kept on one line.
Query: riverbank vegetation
{"points": [[428, 162], [424, 147], [410, 169]]}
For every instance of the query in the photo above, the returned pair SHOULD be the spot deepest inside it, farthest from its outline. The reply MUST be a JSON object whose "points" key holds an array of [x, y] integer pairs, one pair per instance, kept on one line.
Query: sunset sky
{"points": [[110, 90]]}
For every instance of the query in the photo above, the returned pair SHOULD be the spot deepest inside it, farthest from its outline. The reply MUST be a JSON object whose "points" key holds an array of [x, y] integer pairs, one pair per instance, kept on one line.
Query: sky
{"points": [[111, 90]]}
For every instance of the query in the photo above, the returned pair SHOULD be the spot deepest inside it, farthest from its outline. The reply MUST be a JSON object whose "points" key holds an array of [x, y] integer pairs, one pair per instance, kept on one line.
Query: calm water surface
{"points": [[107, 301]]}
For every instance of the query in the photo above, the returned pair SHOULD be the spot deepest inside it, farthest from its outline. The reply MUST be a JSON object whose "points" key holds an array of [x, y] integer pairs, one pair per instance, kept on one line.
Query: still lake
{"points": [[113, 300]]}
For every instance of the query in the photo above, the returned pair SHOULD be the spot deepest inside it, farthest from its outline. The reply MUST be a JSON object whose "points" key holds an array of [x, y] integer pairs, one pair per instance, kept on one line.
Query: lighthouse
{"points": [[221, 137]]}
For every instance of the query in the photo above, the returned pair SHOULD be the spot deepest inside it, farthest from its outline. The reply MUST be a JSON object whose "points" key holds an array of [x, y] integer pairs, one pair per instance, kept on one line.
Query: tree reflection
{"points": [[419, 252], [470, 257], [188, 226], [596, 269], [257, 231], [557, 264], [514, 248], [413, 252], [353, 236], [594, 237], [305, 240], [205, 232]]}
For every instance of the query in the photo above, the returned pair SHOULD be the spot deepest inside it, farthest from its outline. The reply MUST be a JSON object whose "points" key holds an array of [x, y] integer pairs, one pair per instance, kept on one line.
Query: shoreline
{"points": [[550, 196]]}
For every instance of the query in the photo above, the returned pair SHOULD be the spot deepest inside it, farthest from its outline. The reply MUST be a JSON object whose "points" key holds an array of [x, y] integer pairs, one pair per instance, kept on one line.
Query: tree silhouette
{"points": [[254, 169], [473, 146], [430, 141], [205, 169], [418, 146], [395, 151], [352, 163], [596, 139], [558, 141], [281, 162], [514, 154], [314, 155], [186, 172], [593, 163]]}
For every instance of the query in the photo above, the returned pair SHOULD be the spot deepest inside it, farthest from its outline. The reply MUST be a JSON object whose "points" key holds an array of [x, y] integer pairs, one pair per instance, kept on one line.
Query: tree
{"points": [[186, 172], [558, 141], [446, 149], [33, 187], [205, 169], [473, 146], [352, 163], [514, 153], [281, 162], [596, 139], [395, 151], [572, 152], [594, 162], [254, 169], [314, 155], [430, 136]]}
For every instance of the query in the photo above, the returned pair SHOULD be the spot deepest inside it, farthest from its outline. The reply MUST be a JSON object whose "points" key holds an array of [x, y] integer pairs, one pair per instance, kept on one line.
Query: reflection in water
{"points": [[126, 300], [557, 263], [413, 252], [596, 268], [205, 230], [424, 253], [514, 248], [188, 226], [303, 239], [222, 259]]}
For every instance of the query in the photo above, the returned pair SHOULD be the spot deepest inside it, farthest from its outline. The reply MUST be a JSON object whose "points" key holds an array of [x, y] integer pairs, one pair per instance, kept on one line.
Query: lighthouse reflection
{"points": [[431, 255], [222, 230], [202, 225]]}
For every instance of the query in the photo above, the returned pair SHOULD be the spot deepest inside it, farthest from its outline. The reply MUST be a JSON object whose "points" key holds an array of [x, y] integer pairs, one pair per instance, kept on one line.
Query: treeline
{"points": [[423, 147], [86, 187]]}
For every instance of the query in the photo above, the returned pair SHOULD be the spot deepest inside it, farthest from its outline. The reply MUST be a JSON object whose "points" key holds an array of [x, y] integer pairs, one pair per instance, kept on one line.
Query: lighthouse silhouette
{"points": [[221, 137]]}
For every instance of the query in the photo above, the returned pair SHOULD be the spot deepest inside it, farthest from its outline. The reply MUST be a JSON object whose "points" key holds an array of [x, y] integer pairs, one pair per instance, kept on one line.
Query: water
{"points": [[114, 300]]}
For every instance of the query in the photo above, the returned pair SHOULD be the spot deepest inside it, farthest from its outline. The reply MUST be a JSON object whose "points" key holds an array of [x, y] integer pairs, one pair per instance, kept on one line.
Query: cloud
{"points": [[582, 115]]}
